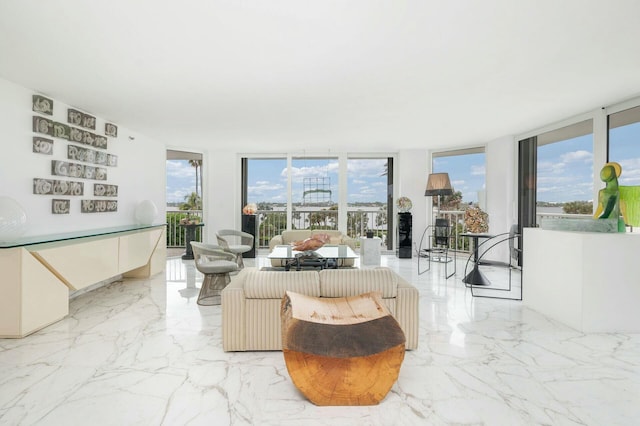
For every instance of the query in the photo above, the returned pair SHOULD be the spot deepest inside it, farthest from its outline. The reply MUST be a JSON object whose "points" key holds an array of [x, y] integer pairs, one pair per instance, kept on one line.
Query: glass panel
{"points": [[314, 193], [266, 181], [624, 144], [367, 197], [467, 176], [564, 183]]}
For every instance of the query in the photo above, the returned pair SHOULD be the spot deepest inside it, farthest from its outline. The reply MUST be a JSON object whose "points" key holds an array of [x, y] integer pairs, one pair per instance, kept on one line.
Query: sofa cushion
{"points": [[274, 284], [352, 282], [289, 237]]}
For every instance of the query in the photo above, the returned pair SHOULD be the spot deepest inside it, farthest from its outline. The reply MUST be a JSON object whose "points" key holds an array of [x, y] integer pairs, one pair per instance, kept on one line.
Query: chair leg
{"points": [[239, 261], [212, 286]]}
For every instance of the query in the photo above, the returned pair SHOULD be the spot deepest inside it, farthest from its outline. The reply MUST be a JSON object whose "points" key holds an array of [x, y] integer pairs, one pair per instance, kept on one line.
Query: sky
{"points": [[565, 171], [466, 173], [268, 180]]}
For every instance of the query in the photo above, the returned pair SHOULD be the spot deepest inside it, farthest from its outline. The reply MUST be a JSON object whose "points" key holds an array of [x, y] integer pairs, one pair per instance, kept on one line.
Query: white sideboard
{"points": [[39, 272], [587, 280]]}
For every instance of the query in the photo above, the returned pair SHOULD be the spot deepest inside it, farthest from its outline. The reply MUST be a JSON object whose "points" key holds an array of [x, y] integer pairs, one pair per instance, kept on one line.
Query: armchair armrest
{"points": [[233, 303], [275, 241], [407, 312], [349, 241], [211, 252]]}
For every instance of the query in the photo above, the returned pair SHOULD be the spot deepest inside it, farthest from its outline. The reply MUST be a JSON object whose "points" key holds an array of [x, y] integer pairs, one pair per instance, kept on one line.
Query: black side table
{"points": [[476, 277], [190, 234]]}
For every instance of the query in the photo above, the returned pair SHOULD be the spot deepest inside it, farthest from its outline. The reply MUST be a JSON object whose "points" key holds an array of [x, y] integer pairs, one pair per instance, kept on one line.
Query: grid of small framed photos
{"points": [[86, 158]]}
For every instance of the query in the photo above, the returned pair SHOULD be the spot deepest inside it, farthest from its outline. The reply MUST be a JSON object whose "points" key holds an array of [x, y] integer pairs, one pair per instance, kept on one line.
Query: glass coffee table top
{"points": [[326, 256]]}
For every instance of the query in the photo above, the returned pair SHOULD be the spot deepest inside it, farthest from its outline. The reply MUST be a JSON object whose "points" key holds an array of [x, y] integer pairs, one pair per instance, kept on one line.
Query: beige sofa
{"points": [[251, 302], [288, 237]]}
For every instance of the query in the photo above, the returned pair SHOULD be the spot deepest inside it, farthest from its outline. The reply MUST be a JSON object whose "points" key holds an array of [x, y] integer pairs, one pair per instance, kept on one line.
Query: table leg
{"points": [[476, 277]]}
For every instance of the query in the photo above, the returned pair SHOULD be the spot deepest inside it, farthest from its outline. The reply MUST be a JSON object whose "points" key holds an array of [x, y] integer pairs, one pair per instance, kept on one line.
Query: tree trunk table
{"points": [[341, 351]]}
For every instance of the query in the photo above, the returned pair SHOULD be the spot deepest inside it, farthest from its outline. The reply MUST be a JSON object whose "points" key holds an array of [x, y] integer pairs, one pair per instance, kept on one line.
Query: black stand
{"points": [[404, 235], [190, 235], [476, 277], [249, 226]]}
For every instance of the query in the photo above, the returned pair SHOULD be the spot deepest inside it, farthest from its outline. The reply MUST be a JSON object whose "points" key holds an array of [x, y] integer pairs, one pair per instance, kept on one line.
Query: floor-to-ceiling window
{"points": [[184, 193], [311, 186], [466, 169], [264, 183], [563, 178], [368, 187], [624, 148], [314, 193], [624, 144]]}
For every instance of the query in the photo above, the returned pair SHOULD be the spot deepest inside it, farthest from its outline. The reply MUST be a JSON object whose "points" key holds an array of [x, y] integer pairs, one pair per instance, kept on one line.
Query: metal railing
{"points": [[272, 223], [176, 233], [568, 216]]}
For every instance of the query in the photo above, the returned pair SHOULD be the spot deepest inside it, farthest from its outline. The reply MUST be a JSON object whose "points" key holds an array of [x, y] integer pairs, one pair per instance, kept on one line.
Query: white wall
{"points": [[412, 171], [221, 198], [500, 179], [140, 173]]}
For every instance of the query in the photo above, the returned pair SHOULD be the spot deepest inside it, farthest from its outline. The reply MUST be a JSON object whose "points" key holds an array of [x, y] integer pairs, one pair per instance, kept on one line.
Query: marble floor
{"points": [[142, 352]]}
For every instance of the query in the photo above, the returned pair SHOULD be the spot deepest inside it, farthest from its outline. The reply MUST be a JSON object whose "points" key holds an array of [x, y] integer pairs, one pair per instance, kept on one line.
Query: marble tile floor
{"points": [[142, 352]]}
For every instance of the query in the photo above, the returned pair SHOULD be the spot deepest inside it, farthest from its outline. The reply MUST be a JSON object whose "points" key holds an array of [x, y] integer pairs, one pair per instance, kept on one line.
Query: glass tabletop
{"points": [[328, 251], [50, 238]]}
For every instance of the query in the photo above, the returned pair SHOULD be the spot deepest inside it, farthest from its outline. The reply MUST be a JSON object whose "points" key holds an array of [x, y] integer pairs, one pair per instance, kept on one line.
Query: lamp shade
{"points": [[146, 212], [438, 184]]}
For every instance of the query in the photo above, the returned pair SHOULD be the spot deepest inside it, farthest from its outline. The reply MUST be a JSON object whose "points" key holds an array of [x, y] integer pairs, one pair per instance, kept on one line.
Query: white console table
{"points": [[38, 272], [587, 280]]}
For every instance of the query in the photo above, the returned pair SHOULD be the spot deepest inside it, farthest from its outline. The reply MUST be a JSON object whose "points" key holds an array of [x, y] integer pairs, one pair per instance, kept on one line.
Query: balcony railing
{"points": [[272, 223], [176, 233]]}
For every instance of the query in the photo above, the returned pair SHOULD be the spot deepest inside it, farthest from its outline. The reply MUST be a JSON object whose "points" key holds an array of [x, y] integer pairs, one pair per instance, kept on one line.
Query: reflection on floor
{"points": [[143, 352]]}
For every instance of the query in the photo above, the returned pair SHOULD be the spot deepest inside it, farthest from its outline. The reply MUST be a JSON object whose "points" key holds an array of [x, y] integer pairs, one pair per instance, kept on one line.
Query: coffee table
{"points": [[327, 256]]}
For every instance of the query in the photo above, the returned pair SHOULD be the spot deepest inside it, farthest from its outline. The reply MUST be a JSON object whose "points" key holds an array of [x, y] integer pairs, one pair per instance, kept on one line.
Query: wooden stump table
{"points": [[341, 351]]}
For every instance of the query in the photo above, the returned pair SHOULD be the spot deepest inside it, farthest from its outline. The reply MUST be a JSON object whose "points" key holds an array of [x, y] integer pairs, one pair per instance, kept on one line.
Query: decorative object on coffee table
{"points": [[312, 243], [341, 351]]}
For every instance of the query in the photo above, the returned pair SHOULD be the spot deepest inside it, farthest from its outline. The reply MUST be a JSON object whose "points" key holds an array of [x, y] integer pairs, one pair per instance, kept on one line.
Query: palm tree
{"points": [[191, 202], [197, 164]]}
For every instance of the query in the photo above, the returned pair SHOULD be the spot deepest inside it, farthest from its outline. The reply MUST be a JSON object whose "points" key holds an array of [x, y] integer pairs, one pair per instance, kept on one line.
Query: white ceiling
{"points": [[256, 75]]}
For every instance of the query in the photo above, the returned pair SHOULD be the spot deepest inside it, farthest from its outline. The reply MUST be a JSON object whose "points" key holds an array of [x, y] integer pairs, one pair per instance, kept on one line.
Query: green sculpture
{"points": [[630, 204], [609, 197]]}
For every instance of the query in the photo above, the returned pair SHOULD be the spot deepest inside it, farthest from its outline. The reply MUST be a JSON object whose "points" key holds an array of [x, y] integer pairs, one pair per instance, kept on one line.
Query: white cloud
{"points": [[180, 169], [478, 170], [577, 156], [297, 173], [366, 168], [264, 187]]}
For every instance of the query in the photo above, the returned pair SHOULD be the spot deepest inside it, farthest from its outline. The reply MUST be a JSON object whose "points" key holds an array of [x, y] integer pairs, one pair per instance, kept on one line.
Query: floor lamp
{"points": [[438, 184]]}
